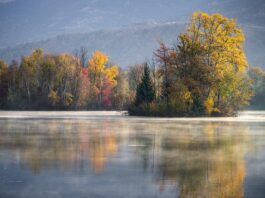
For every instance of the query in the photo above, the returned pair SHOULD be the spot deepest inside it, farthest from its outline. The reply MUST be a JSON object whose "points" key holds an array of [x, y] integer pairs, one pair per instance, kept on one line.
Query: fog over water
{"points": [[108, 154], [248, 116]]}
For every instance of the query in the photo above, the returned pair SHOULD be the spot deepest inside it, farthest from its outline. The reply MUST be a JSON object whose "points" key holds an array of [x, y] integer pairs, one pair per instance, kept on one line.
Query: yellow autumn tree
{"points": [[221, 39], [102, 75], [222, 43], [28, 74], [212, 64]]}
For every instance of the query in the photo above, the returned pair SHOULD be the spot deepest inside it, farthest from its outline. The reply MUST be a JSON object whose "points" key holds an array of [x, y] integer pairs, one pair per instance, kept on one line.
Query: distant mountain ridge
{"points": [[24, 21], [127, 30], [132, 45], [124, 46]]}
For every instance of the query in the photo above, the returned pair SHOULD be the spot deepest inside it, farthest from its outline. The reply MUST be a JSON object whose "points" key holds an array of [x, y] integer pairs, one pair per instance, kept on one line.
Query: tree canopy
{"points": [[204, 73], [45, 81]]}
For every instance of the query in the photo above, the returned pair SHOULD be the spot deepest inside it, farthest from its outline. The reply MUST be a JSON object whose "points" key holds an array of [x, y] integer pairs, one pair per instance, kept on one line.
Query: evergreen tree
{"points": [[145, 92]]}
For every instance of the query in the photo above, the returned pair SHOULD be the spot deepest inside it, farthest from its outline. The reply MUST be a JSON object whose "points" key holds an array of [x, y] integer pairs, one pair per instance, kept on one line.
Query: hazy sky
{"points": [[6, 1]]}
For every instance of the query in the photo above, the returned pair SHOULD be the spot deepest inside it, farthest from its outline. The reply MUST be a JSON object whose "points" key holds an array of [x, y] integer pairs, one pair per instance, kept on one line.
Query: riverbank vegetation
{"points": [[63, 81], [204, 73]]}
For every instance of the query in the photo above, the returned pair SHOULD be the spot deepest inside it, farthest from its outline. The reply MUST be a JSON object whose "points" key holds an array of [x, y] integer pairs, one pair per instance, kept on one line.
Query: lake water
{"points": [[106, 154]]}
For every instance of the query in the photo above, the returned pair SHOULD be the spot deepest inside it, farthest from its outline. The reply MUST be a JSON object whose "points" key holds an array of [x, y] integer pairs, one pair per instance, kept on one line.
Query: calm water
{"points": [[90, 154]]}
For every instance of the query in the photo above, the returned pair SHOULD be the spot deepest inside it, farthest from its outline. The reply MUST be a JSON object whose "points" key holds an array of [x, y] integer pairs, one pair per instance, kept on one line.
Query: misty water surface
{"points": [[84, 154]]}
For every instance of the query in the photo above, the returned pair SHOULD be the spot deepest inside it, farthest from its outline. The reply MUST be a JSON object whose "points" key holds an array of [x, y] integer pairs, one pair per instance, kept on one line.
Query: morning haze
{"points": [[40, 22], [132, 98]]}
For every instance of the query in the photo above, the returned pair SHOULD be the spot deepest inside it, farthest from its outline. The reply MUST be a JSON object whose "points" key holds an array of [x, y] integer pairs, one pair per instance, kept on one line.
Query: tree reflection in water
{"points": [[199, 159], [202, 161], [60, 143]]}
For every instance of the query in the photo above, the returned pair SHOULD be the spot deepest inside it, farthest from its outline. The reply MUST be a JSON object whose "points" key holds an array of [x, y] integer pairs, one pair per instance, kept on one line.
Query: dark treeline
{"points": [[204, 73]]}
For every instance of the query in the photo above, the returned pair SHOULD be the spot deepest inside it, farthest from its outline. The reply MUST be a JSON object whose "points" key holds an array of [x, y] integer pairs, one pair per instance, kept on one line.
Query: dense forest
{"points": [[205, 72], [63, 81]]}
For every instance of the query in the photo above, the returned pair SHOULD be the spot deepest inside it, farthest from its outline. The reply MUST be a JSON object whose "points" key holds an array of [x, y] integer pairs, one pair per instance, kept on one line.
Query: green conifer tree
{"points": [[145, 91]]}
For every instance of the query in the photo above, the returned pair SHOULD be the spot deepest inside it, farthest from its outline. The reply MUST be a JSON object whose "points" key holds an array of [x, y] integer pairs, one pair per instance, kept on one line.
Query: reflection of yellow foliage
{"points": [[101, 147], [209, 132], [64, 142], [226, 177], [97, 154], [209, 166], [111, 145]]}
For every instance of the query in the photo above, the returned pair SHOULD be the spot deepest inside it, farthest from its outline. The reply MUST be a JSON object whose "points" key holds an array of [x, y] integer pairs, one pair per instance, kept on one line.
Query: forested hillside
{"points": [[125, 46], [126, 30], [202, 71], [132, 45]]}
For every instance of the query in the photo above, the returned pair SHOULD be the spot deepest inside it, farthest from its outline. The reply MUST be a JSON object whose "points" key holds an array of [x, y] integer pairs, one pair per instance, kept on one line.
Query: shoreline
{"points": [[243, 116]]}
